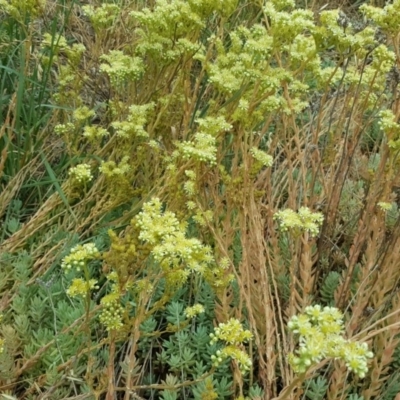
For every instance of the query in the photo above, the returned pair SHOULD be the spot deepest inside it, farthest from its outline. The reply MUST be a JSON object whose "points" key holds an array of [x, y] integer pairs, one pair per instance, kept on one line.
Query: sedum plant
{"points": [[320, 336], [173, 169]]}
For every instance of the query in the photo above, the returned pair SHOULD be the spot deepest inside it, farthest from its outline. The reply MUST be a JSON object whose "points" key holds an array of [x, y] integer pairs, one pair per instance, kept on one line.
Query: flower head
{"points": [[320, 336], [191, 312], [81, 173], [231, 332], [79, 287], [302, 221], [79, 256]]}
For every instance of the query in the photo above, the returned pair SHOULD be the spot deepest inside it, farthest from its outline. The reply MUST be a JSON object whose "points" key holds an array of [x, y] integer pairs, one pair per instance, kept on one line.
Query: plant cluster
{"points": [[320, 336], [175, 170]]}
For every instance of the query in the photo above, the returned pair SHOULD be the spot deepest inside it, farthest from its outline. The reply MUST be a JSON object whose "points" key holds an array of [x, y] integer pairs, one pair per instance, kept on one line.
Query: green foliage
{"points": [[354, 396], [283, 282], [396, 358], [315, 389], [392, 387], [329, 286], [188, 351], [256, 392]]}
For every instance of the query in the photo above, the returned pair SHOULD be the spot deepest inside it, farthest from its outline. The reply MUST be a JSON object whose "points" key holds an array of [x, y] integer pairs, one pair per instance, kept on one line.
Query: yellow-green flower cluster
{"points": [[190, 188], [154, 224], [168, 18], [249, 62], [231, 332], [134, 125], [59, 44], [171, 247], [190, 185], [213, 125], [391, 128], [191, 251], [175, 19], [303, 51], [121, 67], [74, 53], [77, 260], [20, 8], [388, 123], [79, 287], [286, 25], [191, 312], [112, 311], [386, 18], [191, 205], [102, 17], [374, 76], [234, 335], [203, 146], [110, 169], [81, 173], [79, 256], [261, 156], [55, 43], [64, 129], [320, 333], [241, 357], [283, 4], [206, 7], [383, 59], [302, 221], [336, 30], [218, 276], [94, 132], [143, 286], [384, 206], [82, 114], [245, 61], [202, 217]]}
